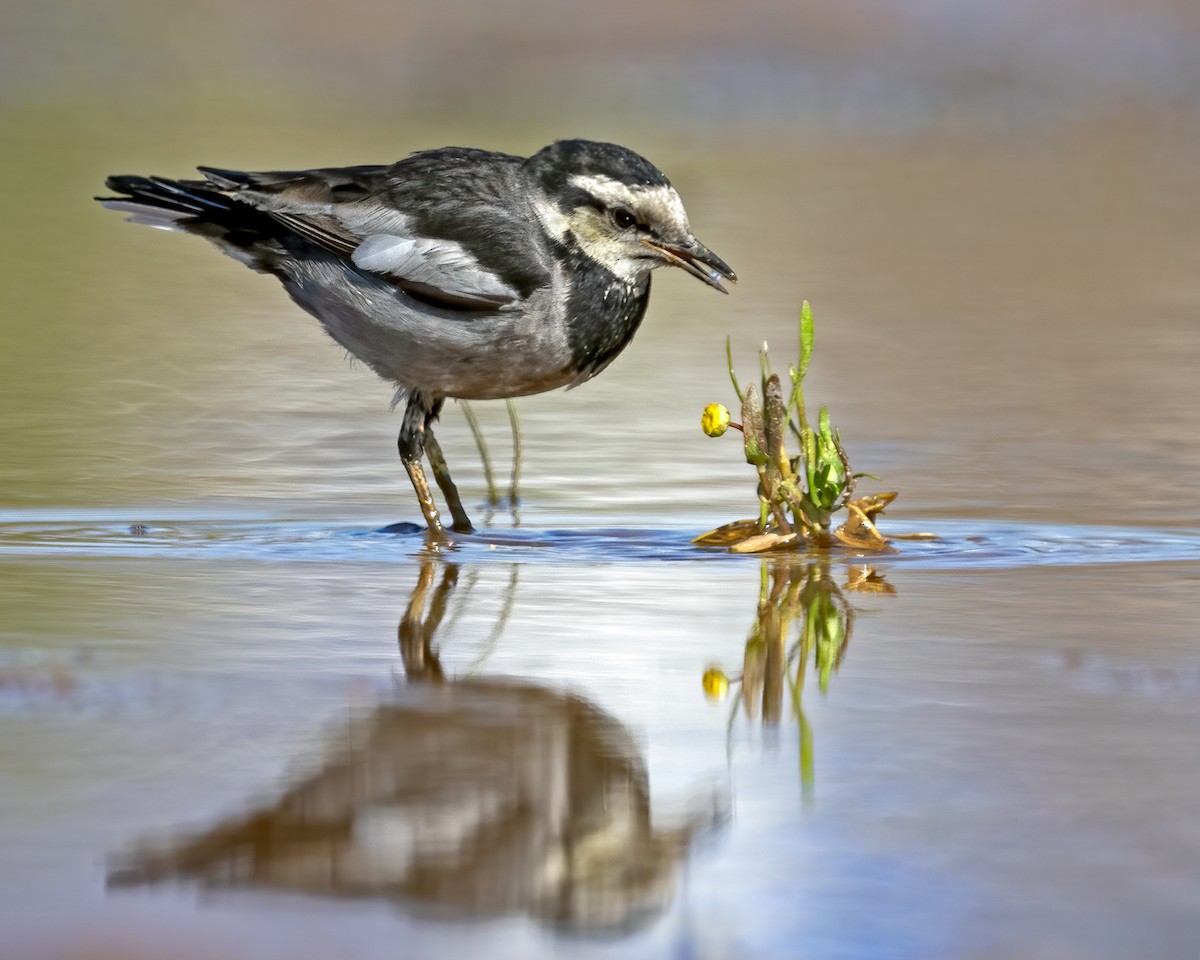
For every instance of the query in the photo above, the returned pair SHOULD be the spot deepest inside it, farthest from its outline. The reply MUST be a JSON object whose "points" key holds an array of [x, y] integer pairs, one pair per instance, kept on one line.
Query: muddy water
{"points": [[253, 726]]}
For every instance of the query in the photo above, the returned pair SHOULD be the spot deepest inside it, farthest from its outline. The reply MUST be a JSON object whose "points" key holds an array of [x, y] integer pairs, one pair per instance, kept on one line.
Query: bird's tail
{"points": [[199, 207], [158, 202]]}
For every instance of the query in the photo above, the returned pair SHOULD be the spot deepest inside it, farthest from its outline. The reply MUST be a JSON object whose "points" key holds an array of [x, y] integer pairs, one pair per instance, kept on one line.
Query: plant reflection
{"points": [[469, 797], [804, 594]]}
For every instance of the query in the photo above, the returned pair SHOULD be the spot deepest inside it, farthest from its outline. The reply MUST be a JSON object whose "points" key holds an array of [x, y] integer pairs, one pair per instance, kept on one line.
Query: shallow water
{"points": [[244, 712], [936, 544], [1004, 760]]}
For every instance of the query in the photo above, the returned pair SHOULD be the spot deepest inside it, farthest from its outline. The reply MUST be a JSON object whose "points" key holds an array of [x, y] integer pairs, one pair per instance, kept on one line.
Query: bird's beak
{"points": [[696, 259]]}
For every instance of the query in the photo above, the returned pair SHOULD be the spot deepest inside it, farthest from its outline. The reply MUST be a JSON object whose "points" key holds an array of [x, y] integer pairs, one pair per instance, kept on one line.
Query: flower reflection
{"points": [[469, 797]]}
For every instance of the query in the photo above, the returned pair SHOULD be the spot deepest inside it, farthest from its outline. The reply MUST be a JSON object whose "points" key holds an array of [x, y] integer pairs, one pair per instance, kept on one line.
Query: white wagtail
{"points": [[454, 272]]}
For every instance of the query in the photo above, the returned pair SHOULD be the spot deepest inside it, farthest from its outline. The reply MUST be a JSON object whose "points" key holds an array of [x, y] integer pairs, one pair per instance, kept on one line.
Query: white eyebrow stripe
{"points": [[612, 191], [441, 264], [659, 200]]}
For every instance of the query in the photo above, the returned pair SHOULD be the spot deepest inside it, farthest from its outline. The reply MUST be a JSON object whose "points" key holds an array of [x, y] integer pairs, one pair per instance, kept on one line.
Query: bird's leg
{"points": [[412, 444], [441, 473]]}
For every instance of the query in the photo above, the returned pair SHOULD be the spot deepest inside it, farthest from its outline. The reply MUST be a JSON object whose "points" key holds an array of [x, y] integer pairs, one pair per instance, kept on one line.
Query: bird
{"points": [[455, 272]]}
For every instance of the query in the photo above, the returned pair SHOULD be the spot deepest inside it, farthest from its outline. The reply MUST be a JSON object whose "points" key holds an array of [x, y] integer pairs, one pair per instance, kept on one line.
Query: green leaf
{"points": [[808, 441], [829, 473], [806, 337], [824, 427]]}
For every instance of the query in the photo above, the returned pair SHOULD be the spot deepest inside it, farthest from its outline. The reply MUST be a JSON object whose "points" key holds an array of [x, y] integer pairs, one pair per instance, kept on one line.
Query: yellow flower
{"points": [[715, 419], [716, 684]]}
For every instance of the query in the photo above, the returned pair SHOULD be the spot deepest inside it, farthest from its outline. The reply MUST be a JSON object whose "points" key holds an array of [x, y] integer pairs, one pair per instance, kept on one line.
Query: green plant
{"points": [[798, 495]]}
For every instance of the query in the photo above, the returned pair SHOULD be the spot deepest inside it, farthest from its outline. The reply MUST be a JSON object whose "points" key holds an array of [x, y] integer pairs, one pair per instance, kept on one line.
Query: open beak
{"points": [[696, 259]]}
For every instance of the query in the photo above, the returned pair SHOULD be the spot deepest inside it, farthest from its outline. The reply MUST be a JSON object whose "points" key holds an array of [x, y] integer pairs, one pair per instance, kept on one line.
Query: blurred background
{"points": [[993, 206], [994, 209]]}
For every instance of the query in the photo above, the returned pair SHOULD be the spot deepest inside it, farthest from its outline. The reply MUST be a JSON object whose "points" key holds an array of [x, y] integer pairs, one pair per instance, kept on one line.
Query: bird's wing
{"points": [[436, 229], [432, 267]]}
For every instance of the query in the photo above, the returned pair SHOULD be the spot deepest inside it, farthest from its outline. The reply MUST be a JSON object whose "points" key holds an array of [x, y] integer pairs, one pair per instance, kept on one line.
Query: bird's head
{"points": [[619, 210]]}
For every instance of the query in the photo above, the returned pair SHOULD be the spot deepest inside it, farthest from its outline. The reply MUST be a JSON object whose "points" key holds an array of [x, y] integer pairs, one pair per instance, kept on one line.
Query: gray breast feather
{"points": [[440, 264]]}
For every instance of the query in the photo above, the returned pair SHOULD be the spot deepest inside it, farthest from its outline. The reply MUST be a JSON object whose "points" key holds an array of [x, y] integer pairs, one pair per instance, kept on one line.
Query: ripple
{"points": [[962, 544]]}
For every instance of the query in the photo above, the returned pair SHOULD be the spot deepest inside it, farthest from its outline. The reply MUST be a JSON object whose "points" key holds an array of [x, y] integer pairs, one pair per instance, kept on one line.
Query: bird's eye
{"points": [[623, 218]]}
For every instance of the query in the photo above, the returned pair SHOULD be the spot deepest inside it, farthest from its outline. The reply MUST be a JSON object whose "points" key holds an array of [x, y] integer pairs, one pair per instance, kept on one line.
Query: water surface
{"points": [[242, 714]]}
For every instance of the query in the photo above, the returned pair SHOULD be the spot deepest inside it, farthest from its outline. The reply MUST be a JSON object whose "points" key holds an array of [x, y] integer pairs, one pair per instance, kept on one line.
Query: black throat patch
{"points": [[603, 312]]}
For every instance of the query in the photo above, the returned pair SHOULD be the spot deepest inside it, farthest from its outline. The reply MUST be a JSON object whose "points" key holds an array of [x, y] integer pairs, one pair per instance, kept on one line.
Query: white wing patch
{"points": [[438, 264]]}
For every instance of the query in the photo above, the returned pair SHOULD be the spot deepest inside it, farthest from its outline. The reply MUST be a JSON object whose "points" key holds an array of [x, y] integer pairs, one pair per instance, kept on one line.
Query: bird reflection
{"points": [[470, 797]]}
